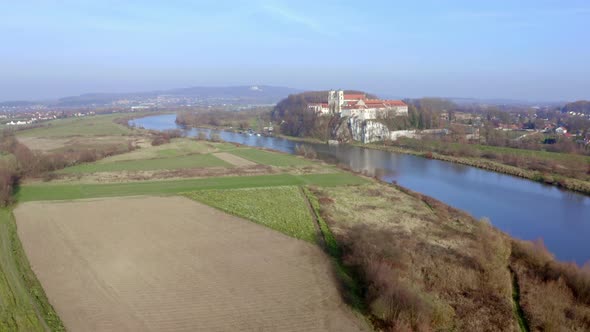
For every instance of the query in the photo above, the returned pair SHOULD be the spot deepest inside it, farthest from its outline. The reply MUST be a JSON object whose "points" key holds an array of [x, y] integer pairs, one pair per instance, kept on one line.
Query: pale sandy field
{"points": [[233, 159], [171, 264]]}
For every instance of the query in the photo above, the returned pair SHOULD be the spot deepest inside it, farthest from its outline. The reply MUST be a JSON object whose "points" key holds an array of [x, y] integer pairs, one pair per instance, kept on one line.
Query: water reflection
{"points": [[522, 208]]}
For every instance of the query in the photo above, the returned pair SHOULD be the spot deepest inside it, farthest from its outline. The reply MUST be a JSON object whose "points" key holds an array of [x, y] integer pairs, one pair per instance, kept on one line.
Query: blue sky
{"points": [[531, 50]]}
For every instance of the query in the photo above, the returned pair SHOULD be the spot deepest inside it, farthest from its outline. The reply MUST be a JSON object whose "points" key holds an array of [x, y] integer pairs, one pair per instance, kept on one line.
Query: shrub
{"points": [[489, 155], [202, 136], [538, 259], [8, 179], [174, 133], [215, 138], [160, 139], [305, 151]]}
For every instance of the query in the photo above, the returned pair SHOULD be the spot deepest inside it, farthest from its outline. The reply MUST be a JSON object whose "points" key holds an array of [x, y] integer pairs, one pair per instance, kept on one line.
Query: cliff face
{"points": [[367, 131], [341, 132]]}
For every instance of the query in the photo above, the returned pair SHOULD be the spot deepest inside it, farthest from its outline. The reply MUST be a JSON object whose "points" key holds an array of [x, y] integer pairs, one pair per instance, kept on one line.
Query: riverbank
{"points": [[541, 211], [302, 139], [489, 165]]}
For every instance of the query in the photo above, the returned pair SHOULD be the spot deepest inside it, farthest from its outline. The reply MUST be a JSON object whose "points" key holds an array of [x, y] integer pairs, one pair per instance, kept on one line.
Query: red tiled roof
{"points": [[395, 102], [355, 96], [385, 102]]}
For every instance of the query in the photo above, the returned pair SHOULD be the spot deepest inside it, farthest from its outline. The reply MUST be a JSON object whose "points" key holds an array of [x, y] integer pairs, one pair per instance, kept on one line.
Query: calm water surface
{"points": [[522, 208]]}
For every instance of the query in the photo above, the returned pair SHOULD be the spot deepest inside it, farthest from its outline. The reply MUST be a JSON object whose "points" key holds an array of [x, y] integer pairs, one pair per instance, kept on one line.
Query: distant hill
{"points": [[17, 103], [580, 106], [261, 94]]}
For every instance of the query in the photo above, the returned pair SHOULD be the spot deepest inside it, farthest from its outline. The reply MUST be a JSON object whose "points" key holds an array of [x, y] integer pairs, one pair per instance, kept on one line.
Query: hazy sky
{"points": [[527, 49]]}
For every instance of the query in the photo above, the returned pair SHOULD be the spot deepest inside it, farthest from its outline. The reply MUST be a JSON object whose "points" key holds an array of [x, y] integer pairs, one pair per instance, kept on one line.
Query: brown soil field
{"points": [[172, 264], [233, 159]]}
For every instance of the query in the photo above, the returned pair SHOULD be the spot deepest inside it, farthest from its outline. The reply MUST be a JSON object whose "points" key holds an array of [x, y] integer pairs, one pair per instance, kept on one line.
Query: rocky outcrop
{"points": [[341, 131], [366, 131]]}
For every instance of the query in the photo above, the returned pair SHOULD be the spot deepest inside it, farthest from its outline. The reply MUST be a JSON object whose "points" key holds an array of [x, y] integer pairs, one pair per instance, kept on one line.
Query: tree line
{"points": [[18, 161]]}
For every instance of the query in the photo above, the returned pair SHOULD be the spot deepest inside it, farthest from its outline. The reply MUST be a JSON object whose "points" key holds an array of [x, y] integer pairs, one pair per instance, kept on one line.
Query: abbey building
{"points": [[358, 106]]}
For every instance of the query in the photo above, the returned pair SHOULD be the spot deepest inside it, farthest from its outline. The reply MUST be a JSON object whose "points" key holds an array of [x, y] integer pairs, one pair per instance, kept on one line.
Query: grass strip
{"points": [[182, 162], [349, 282], [23, 303], [270, 158], [40, 192]]}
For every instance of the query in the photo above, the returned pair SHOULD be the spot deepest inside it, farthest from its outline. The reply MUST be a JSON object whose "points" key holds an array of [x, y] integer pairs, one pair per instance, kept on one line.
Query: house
{"points": [[358, 106], [18, 123], [560, 130]]}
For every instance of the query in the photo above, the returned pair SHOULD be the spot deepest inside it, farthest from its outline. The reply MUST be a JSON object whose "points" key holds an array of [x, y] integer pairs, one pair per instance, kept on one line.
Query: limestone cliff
{"points": [[366, 131]]}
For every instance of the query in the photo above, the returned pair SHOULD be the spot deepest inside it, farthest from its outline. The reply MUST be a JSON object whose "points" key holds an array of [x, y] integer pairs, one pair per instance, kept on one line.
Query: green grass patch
{"points": [[177, 147], [280, 208], [270, 158], [99, 125], [168, 153], [23, 304], [183, 162], [39, 192], [534, 153]]}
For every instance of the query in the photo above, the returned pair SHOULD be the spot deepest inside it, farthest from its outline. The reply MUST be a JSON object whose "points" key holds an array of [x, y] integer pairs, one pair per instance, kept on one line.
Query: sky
{"points": [[536, 50]]}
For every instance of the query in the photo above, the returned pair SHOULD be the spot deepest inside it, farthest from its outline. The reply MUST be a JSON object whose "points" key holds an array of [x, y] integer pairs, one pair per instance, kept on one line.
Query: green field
{"points": [[535, 153], [183, 162], [270, 158], [280, 208], [99, 125], [40, 192], [552, 156], [177, 147], [23, 304]]}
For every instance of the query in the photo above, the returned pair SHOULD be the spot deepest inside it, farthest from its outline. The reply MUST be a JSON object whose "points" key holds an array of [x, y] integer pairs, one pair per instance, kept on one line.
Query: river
{"points": [[522, 208]]}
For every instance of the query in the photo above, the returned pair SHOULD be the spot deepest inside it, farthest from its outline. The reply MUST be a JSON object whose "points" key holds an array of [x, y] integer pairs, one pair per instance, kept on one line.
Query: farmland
{"points": [[176, 148], [48, 191], [208, 270], [102, 125], [190, 161], [280, 208], [23, 304], [270, 158]]}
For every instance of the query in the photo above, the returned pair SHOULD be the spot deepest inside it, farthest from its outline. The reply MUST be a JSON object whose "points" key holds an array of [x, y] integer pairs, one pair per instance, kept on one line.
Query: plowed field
{"points": [[172, 264]]}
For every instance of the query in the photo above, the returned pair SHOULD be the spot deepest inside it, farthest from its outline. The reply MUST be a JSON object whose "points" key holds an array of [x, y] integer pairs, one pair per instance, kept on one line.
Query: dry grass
{"points": [[424, 266], [554, 296]]}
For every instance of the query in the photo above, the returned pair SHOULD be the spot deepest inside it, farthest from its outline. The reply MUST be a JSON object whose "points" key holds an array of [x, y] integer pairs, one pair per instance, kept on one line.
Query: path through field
{"points": [[172, 264]]}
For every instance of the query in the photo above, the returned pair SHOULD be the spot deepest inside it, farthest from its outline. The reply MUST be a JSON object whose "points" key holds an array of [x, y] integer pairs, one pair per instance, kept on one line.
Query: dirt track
{"points": [[171, 264]]}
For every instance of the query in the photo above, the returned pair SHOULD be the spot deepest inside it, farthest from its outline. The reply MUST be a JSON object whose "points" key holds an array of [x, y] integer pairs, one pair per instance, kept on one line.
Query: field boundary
{"points": [[23, 281], [349, 283], [45, 192]]}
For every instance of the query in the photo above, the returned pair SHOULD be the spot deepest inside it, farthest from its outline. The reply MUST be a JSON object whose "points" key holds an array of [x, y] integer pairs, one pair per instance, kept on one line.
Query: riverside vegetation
{"points": [[403, 260], [569, 171], [562, 164]]}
